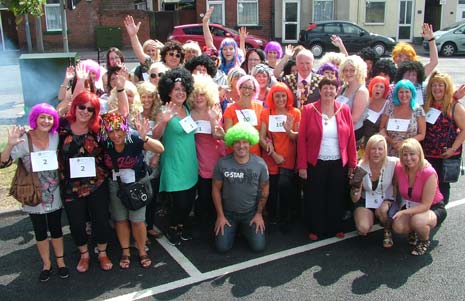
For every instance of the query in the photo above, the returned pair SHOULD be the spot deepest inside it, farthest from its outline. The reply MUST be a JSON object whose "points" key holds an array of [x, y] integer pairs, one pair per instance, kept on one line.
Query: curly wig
{"points": [[167, 81], [43, 108], [203, 60], [204, 84], [368, 54], [359, 65], [241, 131], [404, 48], [379, 80], [279, 87], [385, 66], [443, 78], [146, 88], [405, 84], [335, 58], [169, 46], [328, 66], [411, 66]]}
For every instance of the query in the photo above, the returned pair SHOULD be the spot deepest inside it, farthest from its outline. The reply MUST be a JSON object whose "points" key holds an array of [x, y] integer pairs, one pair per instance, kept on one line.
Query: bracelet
{"points": [[432, 39], [120, 90]]}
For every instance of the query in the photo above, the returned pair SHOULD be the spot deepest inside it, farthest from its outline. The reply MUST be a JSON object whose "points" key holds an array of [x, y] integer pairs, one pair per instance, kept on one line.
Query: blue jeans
{"points": [[225, 242]]}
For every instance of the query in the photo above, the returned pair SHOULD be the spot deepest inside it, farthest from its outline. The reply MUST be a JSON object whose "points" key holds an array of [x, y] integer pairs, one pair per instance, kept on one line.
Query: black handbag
{"points": [[133, 195], [451, 167]]}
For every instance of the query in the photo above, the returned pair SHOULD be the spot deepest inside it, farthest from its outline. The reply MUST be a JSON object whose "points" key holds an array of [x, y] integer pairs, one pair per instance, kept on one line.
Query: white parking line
{"points": [[197, 276]]}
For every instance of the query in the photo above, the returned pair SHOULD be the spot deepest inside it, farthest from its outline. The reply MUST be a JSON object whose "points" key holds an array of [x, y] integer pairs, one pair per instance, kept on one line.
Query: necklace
{"points": [[324, 116]]}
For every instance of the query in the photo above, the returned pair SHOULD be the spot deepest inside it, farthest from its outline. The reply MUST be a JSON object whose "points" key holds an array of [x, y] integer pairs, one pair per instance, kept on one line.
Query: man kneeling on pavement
{"points": [[240, 191]]}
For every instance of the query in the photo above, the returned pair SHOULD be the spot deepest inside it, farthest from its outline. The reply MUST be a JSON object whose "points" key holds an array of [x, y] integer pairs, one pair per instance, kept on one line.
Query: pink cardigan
{"points": [[311, 133]]}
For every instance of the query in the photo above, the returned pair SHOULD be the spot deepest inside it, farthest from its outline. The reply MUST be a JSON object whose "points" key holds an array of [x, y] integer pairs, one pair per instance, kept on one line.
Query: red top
{"points": [[311, 133]]}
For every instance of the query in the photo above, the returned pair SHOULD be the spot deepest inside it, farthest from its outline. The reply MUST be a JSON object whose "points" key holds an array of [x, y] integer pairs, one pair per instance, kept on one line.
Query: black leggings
{"points": [[282, 195], [77, 211], [42, 223], [182, 206], [204, 208]]}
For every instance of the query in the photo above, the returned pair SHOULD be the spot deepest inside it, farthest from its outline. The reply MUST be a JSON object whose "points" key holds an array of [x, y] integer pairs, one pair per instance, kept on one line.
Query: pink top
{"points": [[421, 177], [209, 150]]}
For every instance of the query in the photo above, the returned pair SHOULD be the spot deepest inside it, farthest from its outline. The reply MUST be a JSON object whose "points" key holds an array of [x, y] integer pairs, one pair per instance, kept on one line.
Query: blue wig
{"points": [[236, 61], [405, 84]]}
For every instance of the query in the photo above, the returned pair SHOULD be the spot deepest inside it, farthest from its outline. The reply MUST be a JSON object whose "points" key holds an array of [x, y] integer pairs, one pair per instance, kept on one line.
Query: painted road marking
{"points": [[197, 276]]}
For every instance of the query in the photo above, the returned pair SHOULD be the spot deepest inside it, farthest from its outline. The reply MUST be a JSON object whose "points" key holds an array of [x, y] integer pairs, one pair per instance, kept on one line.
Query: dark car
{"points": [[317, 38], [194, 32]]}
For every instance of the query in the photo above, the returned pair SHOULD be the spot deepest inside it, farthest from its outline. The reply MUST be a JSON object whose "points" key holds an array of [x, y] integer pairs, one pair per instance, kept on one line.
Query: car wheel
{"points": [[448, 49], [379, 48], [316, 49]]}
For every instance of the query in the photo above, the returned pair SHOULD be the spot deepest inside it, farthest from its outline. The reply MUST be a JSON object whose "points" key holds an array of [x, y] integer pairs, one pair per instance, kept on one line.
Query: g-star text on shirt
{"points": [[233, 174]]}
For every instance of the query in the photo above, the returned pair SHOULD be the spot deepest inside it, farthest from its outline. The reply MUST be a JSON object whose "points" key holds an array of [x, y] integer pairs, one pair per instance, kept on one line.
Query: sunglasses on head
{"points": [[171, 53], [155, 75], [89, 109]]}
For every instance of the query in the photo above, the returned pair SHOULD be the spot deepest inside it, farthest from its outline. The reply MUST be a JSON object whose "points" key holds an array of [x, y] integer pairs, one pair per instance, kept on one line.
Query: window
{"points": [[247, 12], [218, 12], [194, 30], [53, 15], [323, 10], [333, 28], [374, 12], [349, 28]]}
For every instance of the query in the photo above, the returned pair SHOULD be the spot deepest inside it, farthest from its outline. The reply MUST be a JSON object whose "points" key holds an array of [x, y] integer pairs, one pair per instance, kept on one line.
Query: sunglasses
{"points": [[89, 109], [155, 75], [178, 55]]}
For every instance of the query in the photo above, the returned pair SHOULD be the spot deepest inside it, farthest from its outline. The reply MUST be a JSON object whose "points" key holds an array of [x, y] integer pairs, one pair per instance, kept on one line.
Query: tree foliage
{"points": [[23, 7]]}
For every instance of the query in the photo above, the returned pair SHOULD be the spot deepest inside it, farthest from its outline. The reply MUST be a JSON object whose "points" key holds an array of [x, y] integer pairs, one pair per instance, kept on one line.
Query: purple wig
{"points": [[92, 66], [274, 46], [43, 108], [245, 78]]}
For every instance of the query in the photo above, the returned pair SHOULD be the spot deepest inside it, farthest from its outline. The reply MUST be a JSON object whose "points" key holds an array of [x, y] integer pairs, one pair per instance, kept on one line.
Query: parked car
{"points": [[194, 32], [450, 40], [316, 37]]}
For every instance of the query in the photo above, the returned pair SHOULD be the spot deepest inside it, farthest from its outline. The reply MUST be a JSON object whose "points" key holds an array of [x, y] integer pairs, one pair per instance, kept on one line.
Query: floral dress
{"points": [[75, 146], [412, 129]]}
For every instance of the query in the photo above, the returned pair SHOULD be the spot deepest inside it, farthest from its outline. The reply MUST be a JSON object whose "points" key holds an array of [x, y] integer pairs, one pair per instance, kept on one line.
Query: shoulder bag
{"points": [[25, 186]]}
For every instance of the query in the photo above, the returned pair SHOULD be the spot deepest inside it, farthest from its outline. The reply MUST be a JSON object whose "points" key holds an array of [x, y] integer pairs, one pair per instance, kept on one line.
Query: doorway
{"points": [[404, 32]]}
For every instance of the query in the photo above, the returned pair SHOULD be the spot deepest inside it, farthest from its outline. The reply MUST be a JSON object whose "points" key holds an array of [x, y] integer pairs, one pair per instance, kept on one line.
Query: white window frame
{"points": [[47, 6], [217, 3], [384, 15], [239, 2], [315, 3]]}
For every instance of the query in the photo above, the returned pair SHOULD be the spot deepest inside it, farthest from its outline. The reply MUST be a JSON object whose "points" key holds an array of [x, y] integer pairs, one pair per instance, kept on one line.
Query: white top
{"points": [[329, 149], [51, 199], [385, 179]]}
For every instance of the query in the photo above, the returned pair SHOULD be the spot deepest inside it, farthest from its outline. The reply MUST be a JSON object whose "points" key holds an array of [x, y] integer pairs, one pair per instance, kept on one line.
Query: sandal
{"points": [[104, 261], [387, 241], [421, 248], [145, 261], [125, 260], [412, 238], [83, 264]]}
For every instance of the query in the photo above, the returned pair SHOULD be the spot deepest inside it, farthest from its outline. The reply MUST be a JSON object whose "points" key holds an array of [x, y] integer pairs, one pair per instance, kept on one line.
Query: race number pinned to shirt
{"points": [[203, 127], [127, 175], [374, 116], [373, 199], [188, 124], [83, 167], [276, 123], [398, 125], [44, 160], [432, 115], [410, 204], [247, 115], [419, 97]]}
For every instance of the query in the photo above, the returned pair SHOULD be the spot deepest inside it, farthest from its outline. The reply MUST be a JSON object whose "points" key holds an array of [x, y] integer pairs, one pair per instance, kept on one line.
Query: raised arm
{"points": [[81, 75], [132, 29], [207, 35], [123, 104], [14, 138], [150, 144], [427, 34], [337, 41], [288, 52], [242, 37]]}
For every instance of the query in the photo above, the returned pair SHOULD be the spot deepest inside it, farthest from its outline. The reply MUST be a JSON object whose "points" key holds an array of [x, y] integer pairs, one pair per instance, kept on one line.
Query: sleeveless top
{"points": [[350, 102]]}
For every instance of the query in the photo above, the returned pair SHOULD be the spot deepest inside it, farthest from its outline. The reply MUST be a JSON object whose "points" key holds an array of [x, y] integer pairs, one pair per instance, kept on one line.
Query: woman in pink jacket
{"points": [[326, 155]]}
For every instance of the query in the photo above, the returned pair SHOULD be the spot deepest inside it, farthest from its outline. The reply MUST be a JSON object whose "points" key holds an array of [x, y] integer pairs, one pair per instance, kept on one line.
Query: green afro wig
{"points": [[241, 131]]}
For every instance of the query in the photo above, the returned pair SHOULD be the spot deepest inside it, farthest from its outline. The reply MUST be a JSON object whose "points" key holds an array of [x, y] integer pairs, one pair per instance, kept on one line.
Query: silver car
{"points": [[450, 40]]}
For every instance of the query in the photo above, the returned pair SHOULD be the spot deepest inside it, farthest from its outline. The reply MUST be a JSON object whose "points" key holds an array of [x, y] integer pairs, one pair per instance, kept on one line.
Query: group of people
{"points": [[235, 136]]}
